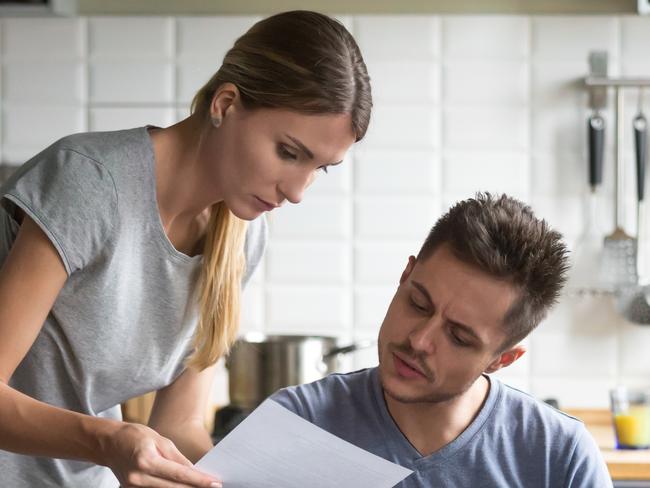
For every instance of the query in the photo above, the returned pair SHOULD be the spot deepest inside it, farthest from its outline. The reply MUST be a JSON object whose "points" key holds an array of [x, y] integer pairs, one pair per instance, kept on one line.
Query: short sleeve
{"points": [[256, 237], [71, 197], [288, 398], [587, 467]]}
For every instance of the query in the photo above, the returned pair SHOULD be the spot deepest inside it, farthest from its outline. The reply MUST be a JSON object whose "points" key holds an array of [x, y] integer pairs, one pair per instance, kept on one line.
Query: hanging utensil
{"points": [[633, 300], [619, 252], [587, 253], [596, 131], [640, 125]]}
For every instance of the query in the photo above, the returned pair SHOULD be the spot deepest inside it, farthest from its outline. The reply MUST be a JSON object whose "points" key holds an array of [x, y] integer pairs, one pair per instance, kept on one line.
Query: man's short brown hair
{"points": [[502, 237]]}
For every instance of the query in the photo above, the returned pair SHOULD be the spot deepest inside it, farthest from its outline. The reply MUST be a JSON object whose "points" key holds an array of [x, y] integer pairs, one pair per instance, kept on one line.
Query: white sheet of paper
{"points": [[274, 447]]}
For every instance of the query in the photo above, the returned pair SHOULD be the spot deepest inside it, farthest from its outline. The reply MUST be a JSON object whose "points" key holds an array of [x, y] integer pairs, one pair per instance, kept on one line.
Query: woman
{"points": [[104, 292]]}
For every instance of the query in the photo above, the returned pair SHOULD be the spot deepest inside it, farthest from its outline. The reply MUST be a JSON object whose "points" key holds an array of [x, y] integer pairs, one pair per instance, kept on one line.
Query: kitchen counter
{"points": [[622, 464]]}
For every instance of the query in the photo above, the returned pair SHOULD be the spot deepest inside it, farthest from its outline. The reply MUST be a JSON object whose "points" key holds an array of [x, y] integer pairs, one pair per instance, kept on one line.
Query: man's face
{"points": [[443, 329]]}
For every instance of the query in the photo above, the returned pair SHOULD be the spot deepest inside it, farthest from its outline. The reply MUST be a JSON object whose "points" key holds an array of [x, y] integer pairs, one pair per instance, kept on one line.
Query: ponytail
{"points": [[220, 287]]}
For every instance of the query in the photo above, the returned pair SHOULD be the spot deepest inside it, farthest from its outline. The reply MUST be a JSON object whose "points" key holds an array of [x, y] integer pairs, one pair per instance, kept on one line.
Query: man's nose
{"points": [[293, 188], [424, 337]]}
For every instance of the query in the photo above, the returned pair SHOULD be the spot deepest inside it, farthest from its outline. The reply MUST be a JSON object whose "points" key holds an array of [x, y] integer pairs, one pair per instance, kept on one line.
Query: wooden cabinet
{"points": [[138, 409]]}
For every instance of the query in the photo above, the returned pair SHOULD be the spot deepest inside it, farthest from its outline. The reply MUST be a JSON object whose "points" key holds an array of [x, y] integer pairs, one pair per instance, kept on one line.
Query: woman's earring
{"points": [[216, 121]]}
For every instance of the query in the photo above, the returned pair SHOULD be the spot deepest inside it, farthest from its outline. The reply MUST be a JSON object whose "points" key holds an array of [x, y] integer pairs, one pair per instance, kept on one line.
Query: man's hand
{"points": [[140, 457]]}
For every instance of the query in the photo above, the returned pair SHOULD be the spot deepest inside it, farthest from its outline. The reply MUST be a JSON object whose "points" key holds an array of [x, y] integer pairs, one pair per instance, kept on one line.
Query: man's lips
{"points": [[406, 368]]}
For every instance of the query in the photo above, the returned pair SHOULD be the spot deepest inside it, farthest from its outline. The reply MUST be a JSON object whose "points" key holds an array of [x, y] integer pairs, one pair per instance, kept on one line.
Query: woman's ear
{"points": [[225, 98]]}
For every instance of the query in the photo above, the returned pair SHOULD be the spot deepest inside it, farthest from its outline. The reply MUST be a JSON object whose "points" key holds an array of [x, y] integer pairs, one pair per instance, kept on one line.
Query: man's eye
{"points": [[285, 154], [417, 307], [457, 340]]}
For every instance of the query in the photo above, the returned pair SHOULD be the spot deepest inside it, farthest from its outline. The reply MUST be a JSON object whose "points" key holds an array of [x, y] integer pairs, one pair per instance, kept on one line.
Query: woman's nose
{"points": [[293, 188]]}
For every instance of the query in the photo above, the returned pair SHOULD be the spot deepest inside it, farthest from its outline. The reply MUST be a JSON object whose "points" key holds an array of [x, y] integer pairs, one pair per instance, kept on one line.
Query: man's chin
{"points": [[402, 393], [396, 390], [402, 397]]}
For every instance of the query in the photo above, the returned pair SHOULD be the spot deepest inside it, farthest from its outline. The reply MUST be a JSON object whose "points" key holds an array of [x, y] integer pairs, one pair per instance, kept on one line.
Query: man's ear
{"points": [[407, 271], [506, 358], [226, 96]]}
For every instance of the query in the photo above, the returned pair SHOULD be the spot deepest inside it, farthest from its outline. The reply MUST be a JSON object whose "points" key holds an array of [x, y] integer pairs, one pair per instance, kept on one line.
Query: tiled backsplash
{"points": [[462, 103]]}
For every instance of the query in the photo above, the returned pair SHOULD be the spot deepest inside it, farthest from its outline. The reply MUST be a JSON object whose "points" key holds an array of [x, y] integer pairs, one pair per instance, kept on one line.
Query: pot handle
{"points": [[348, 349]]}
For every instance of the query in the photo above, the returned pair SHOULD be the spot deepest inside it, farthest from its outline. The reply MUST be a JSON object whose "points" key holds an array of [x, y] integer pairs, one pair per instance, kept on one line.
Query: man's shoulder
{"points": [[526, 402], [335, 390], [536, 430], [526, 415]]}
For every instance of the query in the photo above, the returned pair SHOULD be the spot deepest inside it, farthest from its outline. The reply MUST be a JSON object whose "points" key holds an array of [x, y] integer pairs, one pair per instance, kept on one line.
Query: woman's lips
{"points": [[405, 370], [264, 205]]}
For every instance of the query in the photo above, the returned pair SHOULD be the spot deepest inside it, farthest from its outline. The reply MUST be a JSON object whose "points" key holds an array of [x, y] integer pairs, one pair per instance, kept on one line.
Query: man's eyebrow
{"points": [[466, 328], [423, 290], [306, 150]]}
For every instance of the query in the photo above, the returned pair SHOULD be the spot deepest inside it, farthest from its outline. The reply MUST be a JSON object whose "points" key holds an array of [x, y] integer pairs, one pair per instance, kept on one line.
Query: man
{"points": [[484, 279]]}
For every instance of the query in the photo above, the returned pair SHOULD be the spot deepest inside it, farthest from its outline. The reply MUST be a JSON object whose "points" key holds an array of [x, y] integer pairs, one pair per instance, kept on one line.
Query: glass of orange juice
{"points": [[631, 416]]}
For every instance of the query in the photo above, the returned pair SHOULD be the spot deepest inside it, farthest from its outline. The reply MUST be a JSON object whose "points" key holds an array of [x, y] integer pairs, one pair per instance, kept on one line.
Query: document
{"points": [[274, 447]]}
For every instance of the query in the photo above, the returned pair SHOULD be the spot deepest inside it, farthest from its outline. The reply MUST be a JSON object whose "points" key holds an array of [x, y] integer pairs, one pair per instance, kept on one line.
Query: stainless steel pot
{"points": [[258, 364]]}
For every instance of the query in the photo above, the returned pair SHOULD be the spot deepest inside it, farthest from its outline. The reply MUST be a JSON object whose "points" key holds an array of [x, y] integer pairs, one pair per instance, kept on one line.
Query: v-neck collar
{"points": [[445, 452]]}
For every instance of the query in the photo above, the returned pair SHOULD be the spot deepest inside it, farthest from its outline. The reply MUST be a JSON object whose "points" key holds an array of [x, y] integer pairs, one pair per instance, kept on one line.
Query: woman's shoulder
{"points": [[102, 146]]}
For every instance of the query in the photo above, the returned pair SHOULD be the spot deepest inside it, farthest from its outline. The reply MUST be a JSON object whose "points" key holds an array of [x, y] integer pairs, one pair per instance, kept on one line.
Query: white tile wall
{"points": [[48, 82], [319, 262], [116, 117], [381, 261], [462, 103], [43, 39], [397, 171], [486, 37]]}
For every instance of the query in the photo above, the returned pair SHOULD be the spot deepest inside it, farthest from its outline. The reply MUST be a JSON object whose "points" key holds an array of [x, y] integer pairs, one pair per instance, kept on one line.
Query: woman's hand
{"points": [[140, 457]]}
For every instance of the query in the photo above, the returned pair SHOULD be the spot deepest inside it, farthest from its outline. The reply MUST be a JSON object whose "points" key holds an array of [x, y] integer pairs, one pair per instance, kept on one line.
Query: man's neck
{"points": [[431, 426]]}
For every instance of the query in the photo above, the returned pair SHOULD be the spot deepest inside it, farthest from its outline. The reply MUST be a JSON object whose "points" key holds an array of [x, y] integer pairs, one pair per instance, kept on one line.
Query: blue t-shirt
{"points": [[514, 441]]}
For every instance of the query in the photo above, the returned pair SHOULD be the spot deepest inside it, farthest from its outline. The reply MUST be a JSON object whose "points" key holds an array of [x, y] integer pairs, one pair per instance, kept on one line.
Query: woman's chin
{"points": [[244, 212]]}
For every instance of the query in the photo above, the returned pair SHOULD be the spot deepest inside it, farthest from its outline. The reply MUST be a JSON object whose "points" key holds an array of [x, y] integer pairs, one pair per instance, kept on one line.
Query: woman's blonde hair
{"points": [[302, 61]]}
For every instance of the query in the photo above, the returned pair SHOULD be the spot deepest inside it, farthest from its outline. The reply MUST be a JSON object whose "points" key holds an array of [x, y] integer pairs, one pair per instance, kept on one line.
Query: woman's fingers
{"points": [[183, 474], [142, 458], [168, 450], [141, 480]]}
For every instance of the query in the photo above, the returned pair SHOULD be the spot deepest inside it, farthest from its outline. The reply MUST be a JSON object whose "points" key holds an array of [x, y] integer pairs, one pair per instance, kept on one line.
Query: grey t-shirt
{"points": [[123, 323], [514, 441]]}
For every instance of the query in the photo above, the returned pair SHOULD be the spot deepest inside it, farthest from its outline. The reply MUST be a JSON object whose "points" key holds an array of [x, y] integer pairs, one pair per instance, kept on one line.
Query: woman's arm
{"points": [[30, 280], [179, 412]]}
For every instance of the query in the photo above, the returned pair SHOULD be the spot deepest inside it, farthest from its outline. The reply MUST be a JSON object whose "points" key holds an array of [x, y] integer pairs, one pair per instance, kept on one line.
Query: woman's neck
{"points": [[184, 200], [181, 188]]}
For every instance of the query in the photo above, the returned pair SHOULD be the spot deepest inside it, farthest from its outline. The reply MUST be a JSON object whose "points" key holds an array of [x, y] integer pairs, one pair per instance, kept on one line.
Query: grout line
{"points": [[529, 160], [352, 200], [173, 61], [3, 97], [442, 150], [619, 331], [87, 71]]}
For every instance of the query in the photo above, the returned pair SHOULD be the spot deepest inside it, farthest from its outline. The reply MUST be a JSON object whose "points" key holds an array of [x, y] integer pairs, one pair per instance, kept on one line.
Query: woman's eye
{"points": [[323, 169], [285, 154]]}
